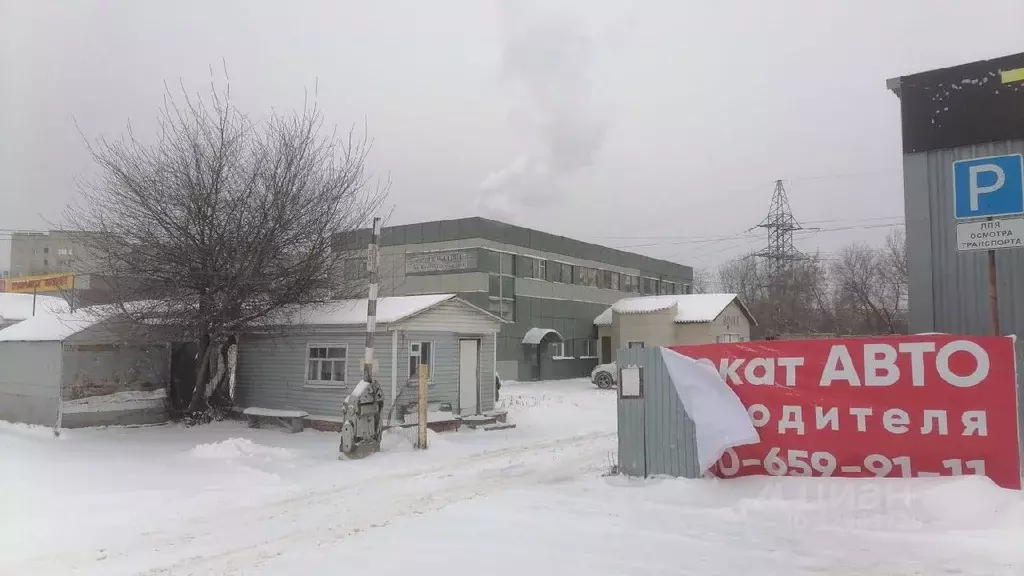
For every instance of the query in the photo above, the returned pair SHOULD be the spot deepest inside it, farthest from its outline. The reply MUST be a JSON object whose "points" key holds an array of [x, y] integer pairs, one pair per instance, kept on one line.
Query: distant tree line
{"points": [[860, 290]]}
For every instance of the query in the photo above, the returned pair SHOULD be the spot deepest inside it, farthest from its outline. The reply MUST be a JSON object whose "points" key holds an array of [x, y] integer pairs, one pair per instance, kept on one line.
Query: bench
{"points": [[294, 420]]}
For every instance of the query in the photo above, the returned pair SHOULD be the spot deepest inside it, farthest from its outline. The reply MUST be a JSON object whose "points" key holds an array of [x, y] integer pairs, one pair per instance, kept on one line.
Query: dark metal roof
{"points": [[973, 103]]}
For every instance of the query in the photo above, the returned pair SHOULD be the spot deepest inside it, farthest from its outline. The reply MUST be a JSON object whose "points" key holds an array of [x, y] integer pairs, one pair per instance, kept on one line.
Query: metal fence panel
{"points": [[656, 437]]}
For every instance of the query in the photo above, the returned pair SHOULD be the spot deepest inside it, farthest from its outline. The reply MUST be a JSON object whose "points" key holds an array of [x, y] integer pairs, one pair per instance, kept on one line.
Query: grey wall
{"points": [[949, 290], [30, 382], [656, 437]]}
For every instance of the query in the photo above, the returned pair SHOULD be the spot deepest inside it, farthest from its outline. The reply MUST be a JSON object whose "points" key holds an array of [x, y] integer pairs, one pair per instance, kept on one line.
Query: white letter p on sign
{"points": [[976, 190]]}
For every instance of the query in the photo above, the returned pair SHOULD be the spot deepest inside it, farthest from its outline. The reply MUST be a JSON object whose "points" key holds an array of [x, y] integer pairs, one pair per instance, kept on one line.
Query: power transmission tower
{"points": [[780, 255], [780, 223]]}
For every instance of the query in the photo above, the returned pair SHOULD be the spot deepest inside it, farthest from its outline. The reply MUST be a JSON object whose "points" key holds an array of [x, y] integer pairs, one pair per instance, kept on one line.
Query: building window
{"points": [[530, 267], [688, 290], [540, 269], [421, 354], [560, 272], [46, 262], [616, 279], [586, 348], [560, 350], [636, 344], [592, 276], [46, 250], [326, 364], [649, 285], [729, 337]]}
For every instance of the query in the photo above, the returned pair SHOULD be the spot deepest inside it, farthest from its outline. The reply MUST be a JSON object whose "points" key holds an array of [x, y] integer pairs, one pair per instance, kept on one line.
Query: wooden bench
{"points": [[293, 420]]}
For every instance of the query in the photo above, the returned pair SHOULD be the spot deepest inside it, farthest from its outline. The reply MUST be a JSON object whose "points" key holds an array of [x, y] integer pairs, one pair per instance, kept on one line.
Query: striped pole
{"points": [[373, 267]]}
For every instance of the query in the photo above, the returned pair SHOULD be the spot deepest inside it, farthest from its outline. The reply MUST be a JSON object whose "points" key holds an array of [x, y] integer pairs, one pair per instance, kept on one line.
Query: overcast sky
{"points": [[631, 123]]}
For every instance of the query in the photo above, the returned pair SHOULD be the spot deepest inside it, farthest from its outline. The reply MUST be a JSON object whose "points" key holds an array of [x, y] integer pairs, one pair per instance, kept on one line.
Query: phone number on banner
{"points": [[780, 462]]}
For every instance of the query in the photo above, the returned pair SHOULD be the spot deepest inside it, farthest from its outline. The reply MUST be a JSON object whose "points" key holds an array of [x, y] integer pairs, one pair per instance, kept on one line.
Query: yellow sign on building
{"points": [[40, 284]]}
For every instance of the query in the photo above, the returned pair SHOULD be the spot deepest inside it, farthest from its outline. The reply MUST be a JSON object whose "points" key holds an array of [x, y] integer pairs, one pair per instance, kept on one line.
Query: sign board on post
{"points": [[40, 284], [989, 187], [901, 406], [990, 235]]}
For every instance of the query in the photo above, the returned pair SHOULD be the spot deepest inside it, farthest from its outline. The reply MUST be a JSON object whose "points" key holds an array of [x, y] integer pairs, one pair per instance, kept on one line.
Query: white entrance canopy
{"points": [[537, 335]]}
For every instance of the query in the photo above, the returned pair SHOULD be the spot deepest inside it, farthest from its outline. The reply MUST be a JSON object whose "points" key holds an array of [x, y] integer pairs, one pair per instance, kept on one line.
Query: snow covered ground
{"points": [[224, 499]]}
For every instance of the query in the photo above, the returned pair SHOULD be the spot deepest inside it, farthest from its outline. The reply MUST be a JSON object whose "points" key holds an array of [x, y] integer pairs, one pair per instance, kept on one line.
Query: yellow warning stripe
{"points": [[1013, 75]]}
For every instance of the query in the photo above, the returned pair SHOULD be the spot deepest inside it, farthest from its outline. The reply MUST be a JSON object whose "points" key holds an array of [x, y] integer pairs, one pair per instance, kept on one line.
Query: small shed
{"points": [[77, 369], [672, 320], [16, 307], [313, 357]]}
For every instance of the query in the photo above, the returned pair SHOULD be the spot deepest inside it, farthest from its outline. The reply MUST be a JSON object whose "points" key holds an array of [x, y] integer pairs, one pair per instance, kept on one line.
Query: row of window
{"points": [[327, 364], [576, 348], [565, 273]]}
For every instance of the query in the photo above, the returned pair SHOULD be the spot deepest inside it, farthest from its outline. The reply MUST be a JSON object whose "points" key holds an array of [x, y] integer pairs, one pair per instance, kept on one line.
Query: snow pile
{"points": [[235, 448], [118, 401]]}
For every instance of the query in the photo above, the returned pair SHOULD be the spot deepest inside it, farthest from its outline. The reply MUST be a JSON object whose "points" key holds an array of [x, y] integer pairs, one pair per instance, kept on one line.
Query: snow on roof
{"points": [[536, 335], [51, 327], [353, 312], [690, 308], [17, 307]]}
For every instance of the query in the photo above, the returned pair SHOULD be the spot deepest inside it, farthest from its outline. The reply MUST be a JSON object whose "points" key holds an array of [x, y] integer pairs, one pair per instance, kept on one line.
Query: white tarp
{"points": [[717, 413]]}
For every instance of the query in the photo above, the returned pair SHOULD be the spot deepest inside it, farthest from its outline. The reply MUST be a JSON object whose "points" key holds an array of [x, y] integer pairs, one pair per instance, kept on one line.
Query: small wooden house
{"points": [[313, 356]]}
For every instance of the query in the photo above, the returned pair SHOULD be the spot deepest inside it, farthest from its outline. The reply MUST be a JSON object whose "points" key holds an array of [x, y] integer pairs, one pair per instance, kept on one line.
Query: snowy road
{"points": [[223, 499]]}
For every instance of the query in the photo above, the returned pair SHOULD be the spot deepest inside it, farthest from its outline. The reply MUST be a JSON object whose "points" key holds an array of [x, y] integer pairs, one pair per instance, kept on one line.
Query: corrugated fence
{"points": [[656, 437]]}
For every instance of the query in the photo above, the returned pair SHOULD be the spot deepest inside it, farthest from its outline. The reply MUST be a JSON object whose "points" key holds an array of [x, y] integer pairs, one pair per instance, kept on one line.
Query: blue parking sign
{"points": [[992, 186]]}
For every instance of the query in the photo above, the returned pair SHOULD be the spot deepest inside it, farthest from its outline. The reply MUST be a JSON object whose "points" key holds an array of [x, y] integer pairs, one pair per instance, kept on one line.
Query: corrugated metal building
{"points": [[315, 360], [965, 112]]}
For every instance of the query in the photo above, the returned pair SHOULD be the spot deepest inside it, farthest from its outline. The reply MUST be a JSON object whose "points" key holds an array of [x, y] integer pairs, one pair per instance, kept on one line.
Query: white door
{"points": [[469, 375]]}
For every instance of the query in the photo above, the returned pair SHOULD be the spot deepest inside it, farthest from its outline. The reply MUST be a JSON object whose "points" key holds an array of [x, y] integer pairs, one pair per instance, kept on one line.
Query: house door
{"points": [[606, 349], [469, 376]]}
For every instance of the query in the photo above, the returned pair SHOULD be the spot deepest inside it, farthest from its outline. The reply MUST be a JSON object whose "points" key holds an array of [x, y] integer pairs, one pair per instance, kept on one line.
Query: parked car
{"points": [[604, 375]]}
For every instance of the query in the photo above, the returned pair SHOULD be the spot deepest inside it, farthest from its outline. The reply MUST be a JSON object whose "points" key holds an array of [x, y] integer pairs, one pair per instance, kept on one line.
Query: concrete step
{"points": [[497, 426]]}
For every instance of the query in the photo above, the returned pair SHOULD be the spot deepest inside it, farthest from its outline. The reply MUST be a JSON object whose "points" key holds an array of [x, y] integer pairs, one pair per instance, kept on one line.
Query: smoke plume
{"points": [[547, 60]]}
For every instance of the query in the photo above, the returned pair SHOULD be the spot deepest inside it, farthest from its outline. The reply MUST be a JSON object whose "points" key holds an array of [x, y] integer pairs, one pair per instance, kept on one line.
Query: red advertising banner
{"points": [[901, 406]]}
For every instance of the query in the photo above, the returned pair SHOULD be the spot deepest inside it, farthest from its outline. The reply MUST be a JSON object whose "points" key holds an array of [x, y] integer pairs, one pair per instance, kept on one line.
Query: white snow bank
{"points": [[690, 308], [234, 448], [51, 327], [18, 307], [33, 430], [127, 400]]}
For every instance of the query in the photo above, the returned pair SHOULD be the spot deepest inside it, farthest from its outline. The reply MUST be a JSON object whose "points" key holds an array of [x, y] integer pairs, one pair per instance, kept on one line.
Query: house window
{"points": [[636, 345], [729, 337], [688, 289], [421, 353], [326, 364]]}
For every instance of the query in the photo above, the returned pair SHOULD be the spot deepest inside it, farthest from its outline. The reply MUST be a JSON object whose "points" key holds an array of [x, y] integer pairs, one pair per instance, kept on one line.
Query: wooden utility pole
{"points": [[424, 374]]}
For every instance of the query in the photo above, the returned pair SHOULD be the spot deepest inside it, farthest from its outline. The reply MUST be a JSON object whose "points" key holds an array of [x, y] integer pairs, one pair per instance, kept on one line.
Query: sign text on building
{"points": [[446, 261]]}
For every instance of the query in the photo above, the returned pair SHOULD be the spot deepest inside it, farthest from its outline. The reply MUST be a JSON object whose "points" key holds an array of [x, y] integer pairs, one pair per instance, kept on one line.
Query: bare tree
{"points": [[222, 222], [702, 281], [870, 292]]}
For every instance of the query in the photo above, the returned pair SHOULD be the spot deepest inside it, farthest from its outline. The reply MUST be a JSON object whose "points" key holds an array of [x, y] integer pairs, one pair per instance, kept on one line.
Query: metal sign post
{"points": [[988, 201]]}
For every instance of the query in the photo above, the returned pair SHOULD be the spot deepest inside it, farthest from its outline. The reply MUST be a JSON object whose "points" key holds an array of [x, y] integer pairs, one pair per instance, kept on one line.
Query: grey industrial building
{"points": [[969, 112], [548, 287]]}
